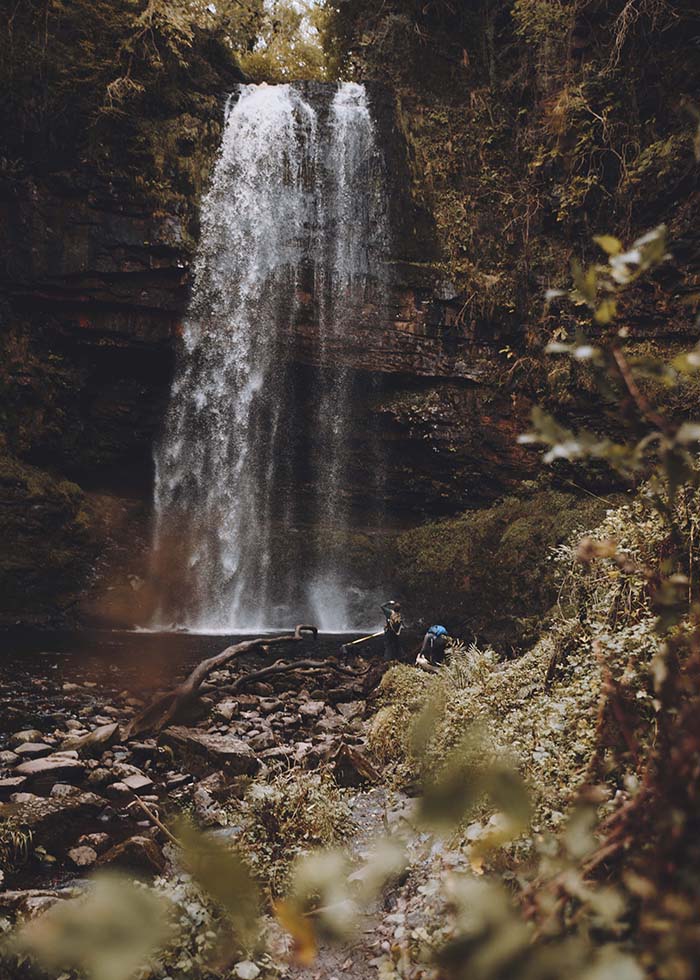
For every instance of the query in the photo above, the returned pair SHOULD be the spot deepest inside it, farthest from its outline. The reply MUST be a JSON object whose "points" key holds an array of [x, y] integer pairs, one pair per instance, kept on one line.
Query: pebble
{"points": [[83, 857]]}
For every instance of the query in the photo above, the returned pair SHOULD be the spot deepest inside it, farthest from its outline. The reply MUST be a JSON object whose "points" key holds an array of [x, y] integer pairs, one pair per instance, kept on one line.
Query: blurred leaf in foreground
{"points": [[223, 875], [318, 904], [108, 934]]}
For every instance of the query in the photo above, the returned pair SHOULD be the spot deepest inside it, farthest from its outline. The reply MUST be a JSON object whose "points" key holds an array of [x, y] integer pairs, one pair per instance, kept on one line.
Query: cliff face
{"points": [[94, 274], [98, 206]]}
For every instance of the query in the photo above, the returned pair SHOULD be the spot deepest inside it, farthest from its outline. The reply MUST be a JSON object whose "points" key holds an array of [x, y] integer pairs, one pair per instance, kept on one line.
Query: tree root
{"points": [[165, 708], [282, 667]]}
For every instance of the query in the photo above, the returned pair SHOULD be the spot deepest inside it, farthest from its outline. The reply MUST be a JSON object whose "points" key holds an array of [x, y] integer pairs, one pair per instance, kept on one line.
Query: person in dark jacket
{"points": [[392, 630]]}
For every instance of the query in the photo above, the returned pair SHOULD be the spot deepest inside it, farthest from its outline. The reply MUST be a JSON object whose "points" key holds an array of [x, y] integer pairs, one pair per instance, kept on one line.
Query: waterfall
{"points": [[253, 495]]}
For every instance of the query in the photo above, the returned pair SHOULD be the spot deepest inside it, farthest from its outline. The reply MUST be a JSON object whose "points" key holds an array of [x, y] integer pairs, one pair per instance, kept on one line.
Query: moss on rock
{"points": [[488, 572]]}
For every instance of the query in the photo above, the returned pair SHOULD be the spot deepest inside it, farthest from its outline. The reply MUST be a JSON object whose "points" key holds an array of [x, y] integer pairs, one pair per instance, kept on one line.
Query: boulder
{"points": [[8, 759], [57, 768], [225, 751]]}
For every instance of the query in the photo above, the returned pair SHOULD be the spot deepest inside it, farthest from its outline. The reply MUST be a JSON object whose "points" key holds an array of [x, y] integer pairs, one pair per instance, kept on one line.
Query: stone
{"points": [[33, 750], [94, 742], [301, 751], [60, 791], [52, 821], [246, 970], [32, 902], [119, 792], [83, 856], [98, 841], [29, 735], [8, 759], [351, 709], [264, 740], [216, 784], [138, 853], [351, 767], [278, 753], [123, 769], [227, 751], [101, 777], [144, 750], [268, 705], [290, 722], [10, 785], [178, 780], [262, 688], [226, 709], [311, 709], [52, 769], [138, 783], [330, 724]]}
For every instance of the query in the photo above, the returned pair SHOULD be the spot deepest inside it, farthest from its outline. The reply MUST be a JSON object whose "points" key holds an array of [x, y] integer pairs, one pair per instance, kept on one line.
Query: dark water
{"points": [[39, 667]]}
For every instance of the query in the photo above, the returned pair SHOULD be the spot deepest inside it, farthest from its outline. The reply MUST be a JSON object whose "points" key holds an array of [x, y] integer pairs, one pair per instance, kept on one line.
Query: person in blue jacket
{"points": [[434, 644]]}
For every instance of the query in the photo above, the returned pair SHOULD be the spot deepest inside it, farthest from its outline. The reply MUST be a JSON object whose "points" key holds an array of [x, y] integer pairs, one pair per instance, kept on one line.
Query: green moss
{"points": [[288, 816], [531, 124], [488, 572], [403, 692]]}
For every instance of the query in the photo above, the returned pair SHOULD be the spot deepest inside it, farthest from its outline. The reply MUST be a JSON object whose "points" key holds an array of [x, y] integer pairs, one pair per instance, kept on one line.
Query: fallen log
{"points": [[163, 710]]}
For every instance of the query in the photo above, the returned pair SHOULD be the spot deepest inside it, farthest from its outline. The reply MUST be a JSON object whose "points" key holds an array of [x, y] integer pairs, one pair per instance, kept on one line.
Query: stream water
{"points": [[252, 500], [37, 664]]}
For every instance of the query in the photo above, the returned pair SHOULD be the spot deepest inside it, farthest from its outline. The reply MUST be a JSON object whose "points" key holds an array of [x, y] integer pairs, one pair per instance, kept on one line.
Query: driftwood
{"points": [[164, 708]]}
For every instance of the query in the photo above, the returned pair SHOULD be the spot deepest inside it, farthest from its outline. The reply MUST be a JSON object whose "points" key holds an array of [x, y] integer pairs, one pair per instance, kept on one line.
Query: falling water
{"points": [[253, 470]]}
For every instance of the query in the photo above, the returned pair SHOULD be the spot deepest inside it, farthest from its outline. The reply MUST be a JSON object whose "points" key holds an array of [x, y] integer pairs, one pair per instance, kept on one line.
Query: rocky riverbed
{"points": [[77, 796]]}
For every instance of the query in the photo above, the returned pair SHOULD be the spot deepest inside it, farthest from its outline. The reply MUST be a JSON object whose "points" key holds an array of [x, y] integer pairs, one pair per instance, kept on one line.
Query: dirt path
{"points": [[353, 960]]}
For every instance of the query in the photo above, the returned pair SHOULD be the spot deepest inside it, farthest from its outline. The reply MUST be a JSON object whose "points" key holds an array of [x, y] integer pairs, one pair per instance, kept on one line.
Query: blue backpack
{"points": [[438, 631]]}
